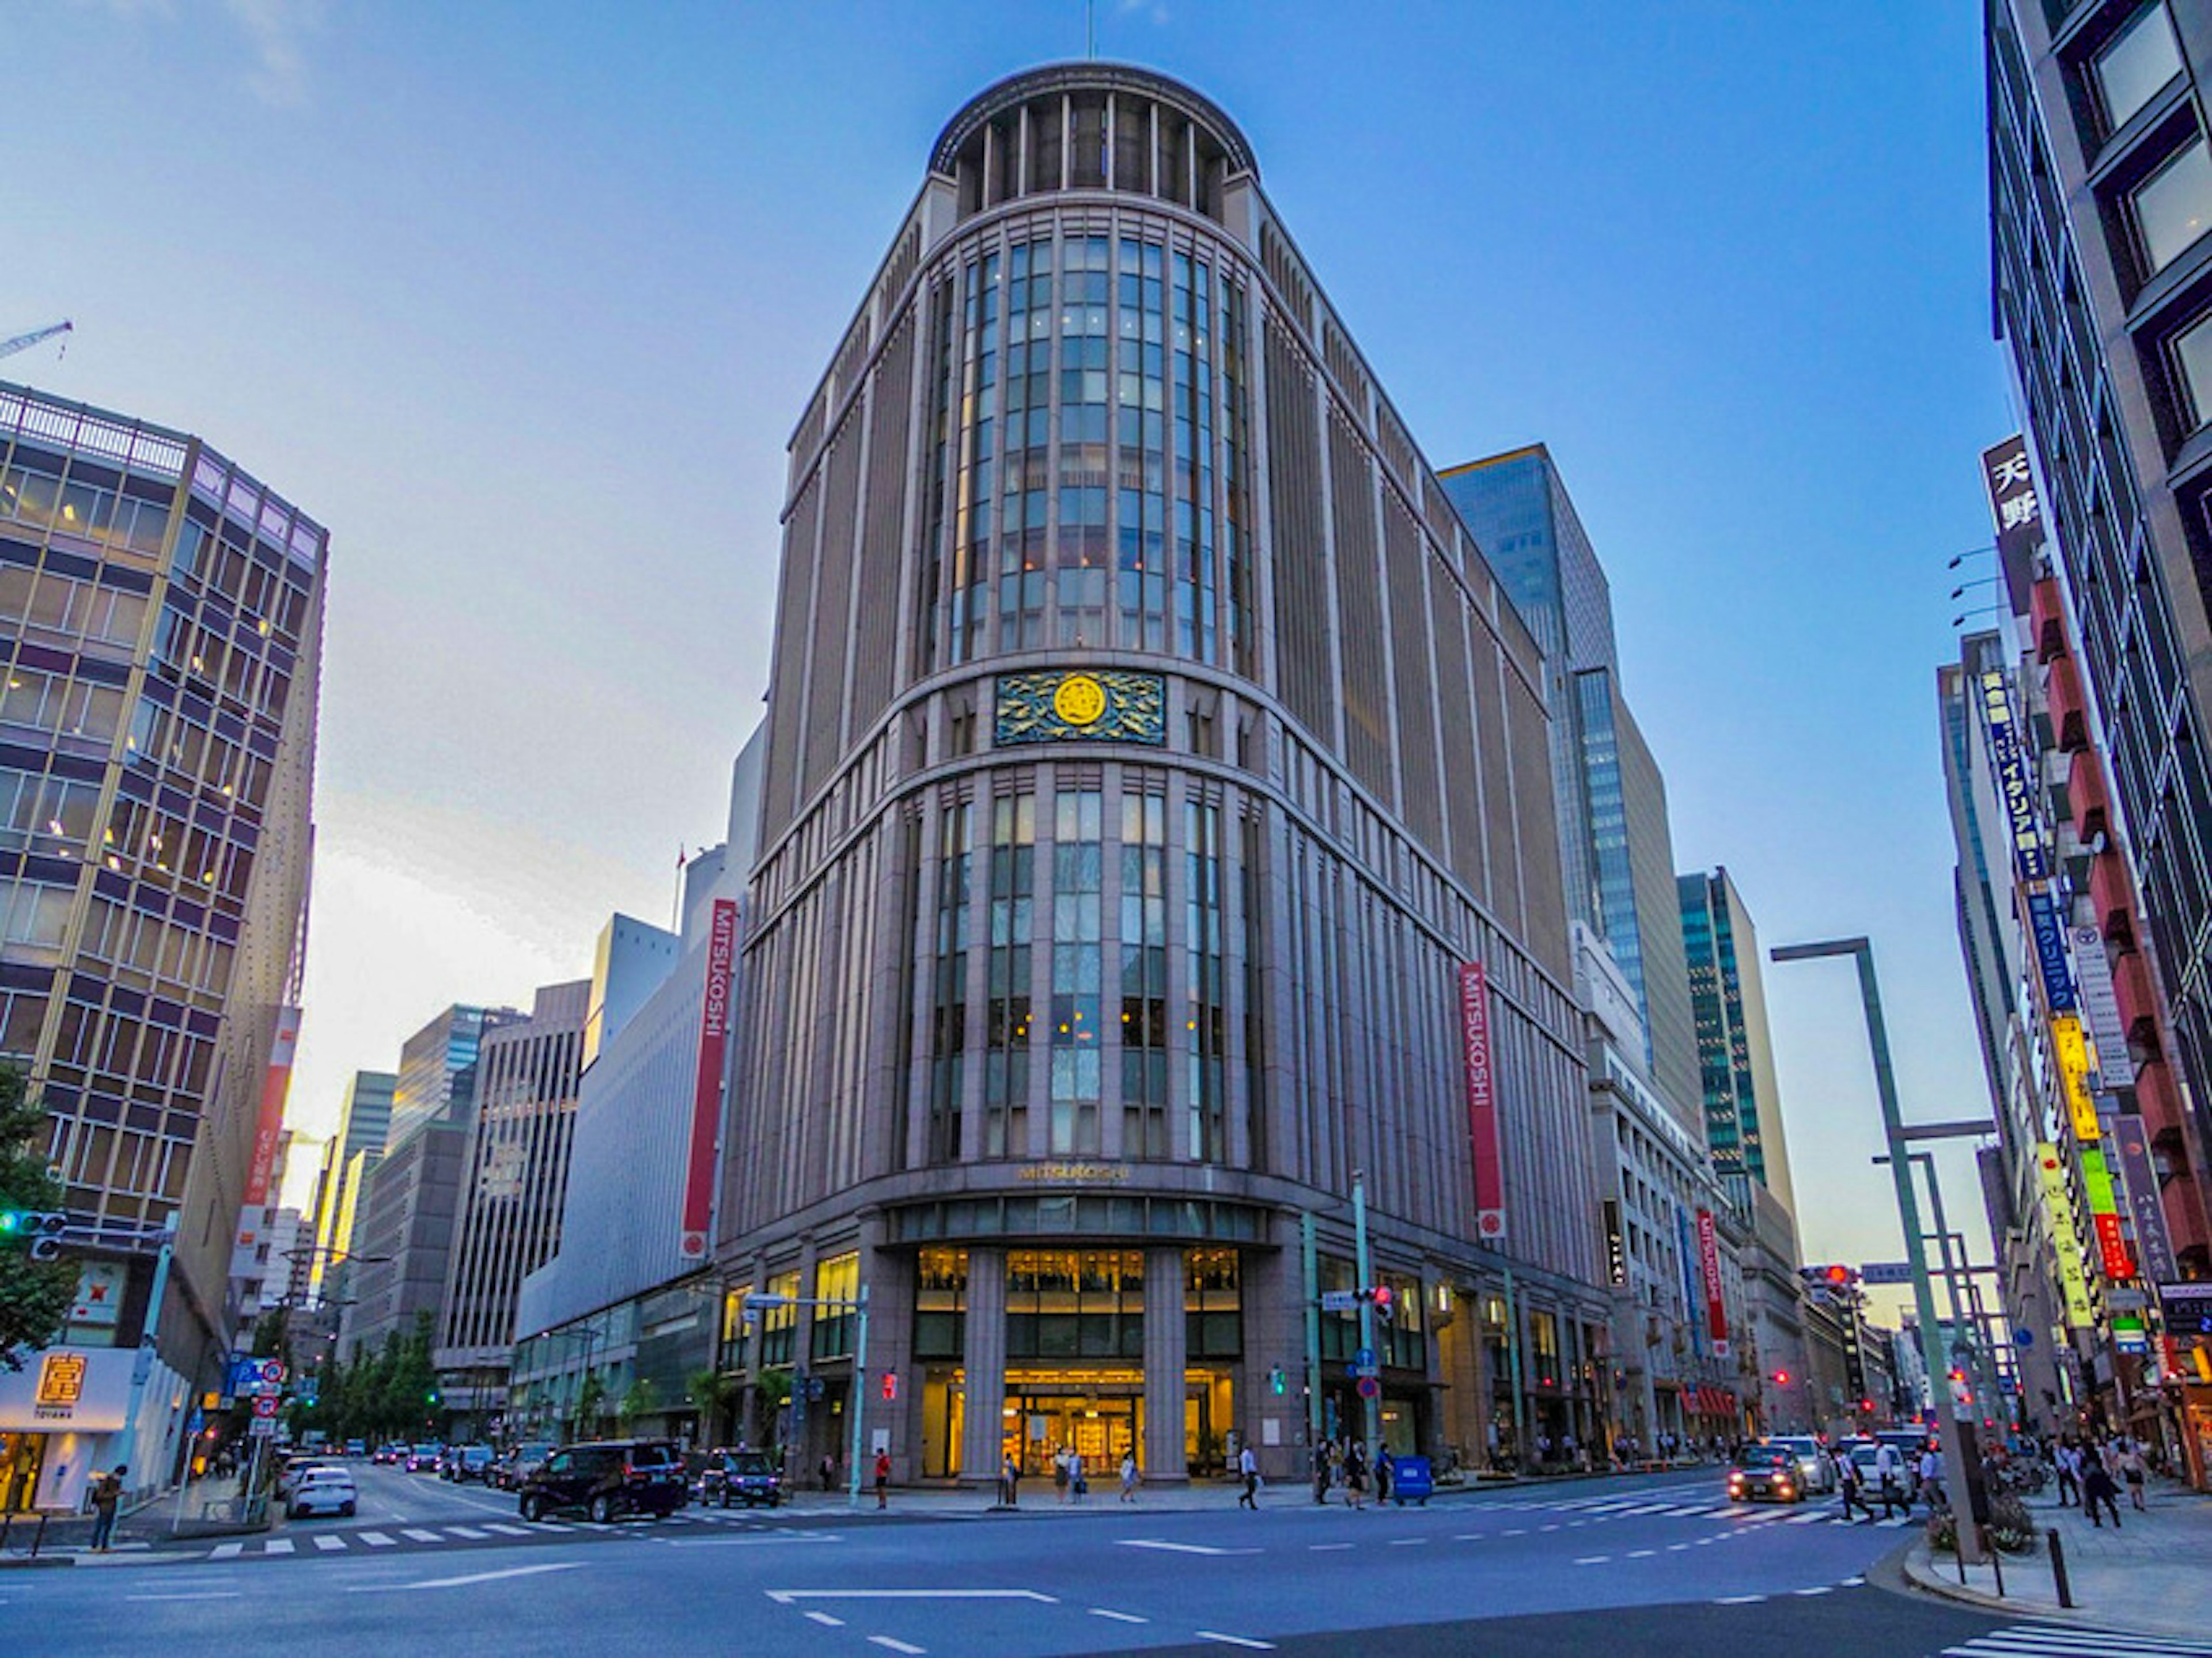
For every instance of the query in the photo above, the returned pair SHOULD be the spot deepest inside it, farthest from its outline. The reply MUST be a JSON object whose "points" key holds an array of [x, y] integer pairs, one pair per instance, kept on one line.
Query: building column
{"points": [[1166, 1357], [982, 1444]]}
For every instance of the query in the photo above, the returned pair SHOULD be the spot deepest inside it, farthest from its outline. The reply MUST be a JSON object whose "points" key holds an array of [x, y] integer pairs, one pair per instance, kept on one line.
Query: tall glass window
{"points": [[1205, 1019], [1213, 1303], [1141, 427], [1077, 970], [949, 1015], [2193, 356], [1190, 336], [1144, 972], [941, 1303], [943, 343], [2174, 205], [974, 504], [1006, 1063], [1075, 1304], [1025, 495], [2135, 66], [1236, 514], [1081, 560], [836, 1282]]}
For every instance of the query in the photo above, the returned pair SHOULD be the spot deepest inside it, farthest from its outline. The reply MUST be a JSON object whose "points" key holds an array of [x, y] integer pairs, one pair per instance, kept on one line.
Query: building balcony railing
{"points": [[2138, 1000], [2086, 790], [2046, 616], [2114, 897], [2069, 712]]}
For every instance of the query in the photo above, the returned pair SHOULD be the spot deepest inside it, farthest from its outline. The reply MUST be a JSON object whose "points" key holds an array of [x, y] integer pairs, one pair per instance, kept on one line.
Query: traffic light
{"points": [[430, 1398], [890, 1385], [41, 1227], [1782, 1378], [1276, 1381], [1383, 1299]]}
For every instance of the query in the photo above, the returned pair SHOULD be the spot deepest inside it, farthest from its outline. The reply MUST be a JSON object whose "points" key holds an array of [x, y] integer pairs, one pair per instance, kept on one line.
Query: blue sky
{"points": [[523, 300]]}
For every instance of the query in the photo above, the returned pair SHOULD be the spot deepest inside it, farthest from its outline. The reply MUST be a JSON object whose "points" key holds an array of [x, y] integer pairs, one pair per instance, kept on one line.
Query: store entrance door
{"points": [[22, 1457], [1100, 1424]]}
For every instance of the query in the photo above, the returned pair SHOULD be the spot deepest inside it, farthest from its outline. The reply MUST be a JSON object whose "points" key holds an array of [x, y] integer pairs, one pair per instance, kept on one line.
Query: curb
{"points": [[1918, 1566]]}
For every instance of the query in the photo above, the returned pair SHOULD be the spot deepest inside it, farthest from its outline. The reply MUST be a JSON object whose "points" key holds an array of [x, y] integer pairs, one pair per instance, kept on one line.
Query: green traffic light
{"points": [[10, 1220]]}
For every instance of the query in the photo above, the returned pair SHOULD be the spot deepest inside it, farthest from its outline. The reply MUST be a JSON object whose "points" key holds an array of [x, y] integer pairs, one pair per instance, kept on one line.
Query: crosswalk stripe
{"points": [[2050, 1640], [506, 1530], [1804, 1519], [227, 1551], [419, 1536], [328, 1542], [468, 1532], [277, 1546], [376, 1539]]}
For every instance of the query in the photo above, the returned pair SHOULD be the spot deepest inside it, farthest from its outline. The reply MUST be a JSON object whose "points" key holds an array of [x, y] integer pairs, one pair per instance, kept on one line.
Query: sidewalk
{"points": [[2147, 1574]]}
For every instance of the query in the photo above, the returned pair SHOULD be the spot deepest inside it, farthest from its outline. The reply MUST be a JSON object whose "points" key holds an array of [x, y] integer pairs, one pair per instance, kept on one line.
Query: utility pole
{"points": [[1370, 1413]]}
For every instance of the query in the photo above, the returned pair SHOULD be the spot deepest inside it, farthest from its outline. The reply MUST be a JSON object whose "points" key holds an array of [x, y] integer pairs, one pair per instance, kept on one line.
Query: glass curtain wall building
{"points": [[1152, 757], [161, 612]]}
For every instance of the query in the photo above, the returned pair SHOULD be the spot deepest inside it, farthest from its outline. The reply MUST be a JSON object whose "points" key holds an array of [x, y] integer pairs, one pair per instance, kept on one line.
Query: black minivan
{"points": [[607, 1478]]}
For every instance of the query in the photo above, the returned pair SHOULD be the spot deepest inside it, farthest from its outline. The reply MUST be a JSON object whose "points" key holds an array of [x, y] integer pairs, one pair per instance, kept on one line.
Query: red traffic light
{"points": [[1840, 1275], [891, 1384], [1782, 1378]]}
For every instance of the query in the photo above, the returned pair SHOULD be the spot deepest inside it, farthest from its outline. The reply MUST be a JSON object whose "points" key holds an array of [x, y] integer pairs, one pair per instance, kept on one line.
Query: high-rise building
{"points": [[1615, 843], [161, 612], [2100, 202], [364, 1125], [513, 1178], [1736, 1046], [404, 1209], [1178, 850]]}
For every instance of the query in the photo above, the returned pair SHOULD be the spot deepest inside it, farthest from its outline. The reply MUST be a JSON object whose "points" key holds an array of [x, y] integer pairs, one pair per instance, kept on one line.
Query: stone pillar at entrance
{"points": [[984, 1338], [1166, 1347]]}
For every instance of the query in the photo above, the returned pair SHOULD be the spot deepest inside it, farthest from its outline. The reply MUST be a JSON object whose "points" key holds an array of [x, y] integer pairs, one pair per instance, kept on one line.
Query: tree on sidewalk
{"points": [[35, 1294]]}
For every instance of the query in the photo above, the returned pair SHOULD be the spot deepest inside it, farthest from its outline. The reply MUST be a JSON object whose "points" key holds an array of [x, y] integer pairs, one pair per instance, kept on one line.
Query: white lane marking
{"points": [[1407, 1542], [376, 1539], [1550, 1528], [1118, 1617], [420, 1535], [1593, 1559], [1177, 1548], [1739, 1600], [472, 1577], [746, 1542], [1324, 1548], [195, 1594], [1515, 1531], [1852, 1583], [826, 1620], [785, 1597], [226, 1550], [1463, 1537], [506, 1530], [1821, 1589], [1234, 1640], [896, 1645], [327, 1542], [277, 1546], [1641, 1554], [1676, 1548], [469, 1532]]}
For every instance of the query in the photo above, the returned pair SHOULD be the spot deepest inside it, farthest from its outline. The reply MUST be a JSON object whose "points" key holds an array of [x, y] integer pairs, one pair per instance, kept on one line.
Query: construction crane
{"points": [[25, 342]]}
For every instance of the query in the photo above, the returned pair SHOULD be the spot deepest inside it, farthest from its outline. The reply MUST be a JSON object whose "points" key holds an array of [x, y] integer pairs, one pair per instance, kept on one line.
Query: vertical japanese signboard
{"points": [[2065, 1236], [707, 1092], [1709, 1265], [2016, 783], [2050, 935], [2070, 1052], [2130, 1145], [1481, 1104], [269, 1128], [2015, 512], [2100, 1006]]}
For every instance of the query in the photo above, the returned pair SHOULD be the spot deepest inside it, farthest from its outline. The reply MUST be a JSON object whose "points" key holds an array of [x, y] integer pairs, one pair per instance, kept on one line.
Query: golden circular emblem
{"points": [[1079, 699]]}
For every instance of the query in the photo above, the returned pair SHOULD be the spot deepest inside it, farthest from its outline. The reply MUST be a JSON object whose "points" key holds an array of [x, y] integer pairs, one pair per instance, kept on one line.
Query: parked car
{"points": [[607, 1480], [1765, 1471], [422, 1459], [510, 1471], [292, 1469], [1813, 1472], [324, 1489], [746, 1476], [463, 1463]]}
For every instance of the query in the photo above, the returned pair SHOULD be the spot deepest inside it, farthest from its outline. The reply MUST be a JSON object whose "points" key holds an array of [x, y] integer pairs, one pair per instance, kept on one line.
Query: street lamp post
{"points": [[1971, 1549], [761, 1302]]}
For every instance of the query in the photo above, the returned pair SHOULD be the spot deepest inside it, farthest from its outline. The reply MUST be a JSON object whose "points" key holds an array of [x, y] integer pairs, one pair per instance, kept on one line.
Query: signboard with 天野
{"points": [[1104, 705]]}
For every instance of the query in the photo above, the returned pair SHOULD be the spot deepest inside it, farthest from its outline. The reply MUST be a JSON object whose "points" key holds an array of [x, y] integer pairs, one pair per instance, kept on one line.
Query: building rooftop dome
{"points": [[1089, 76]]}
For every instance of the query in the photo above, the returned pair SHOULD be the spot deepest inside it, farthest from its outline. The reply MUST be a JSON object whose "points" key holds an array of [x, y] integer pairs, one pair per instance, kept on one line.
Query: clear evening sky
{"points": [[523, 299]]}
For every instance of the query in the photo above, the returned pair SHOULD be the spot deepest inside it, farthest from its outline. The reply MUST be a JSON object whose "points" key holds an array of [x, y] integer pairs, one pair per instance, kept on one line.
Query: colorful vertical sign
{"points": [[2016, 783], [2065, 1237], [2100, 1008], [2105, 1215], [2050, 935], [1708, 1264], [269, 1128], [707, 1092], [1481, 1103], [2131, 1143], [2070, 1052], [2015, 512]]}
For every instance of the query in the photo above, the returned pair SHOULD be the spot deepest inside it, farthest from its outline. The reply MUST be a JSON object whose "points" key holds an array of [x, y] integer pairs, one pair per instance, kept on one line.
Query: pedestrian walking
{"points": [[2067, 1462], [1889, 1475], [882, 1479], [1010, 1482], [1129, 1475], [1355, 1474], [1078, 1487], [1248, 1468], [2131, 1471], [1060, 1474], [1853, 1487], [106, 1497], [2097, 1487], [1386, 1470], [1321, 1458], [1931, 1480], [828, 1472]]}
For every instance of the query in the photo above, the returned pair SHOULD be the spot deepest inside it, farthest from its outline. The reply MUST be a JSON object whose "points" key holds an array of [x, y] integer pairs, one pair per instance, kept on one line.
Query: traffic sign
{"points": [[265, 1406], [262, 1427], [1885, 1271], [1364, 1355], [1339, 1301], [1369, 1387], [272, 1372]]}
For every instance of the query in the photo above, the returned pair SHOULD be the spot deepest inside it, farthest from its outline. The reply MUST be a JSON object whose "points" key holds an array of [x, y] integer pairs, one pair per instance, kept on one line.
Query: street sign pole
{"points": [[860, 1400], [1311, 1251], [1370, 1413]]}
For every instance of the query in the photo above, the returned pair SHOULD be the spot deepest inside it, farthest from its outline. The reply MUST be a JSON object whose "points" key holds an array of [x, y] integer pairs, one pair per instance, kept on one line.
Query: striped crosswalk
{"points": [[307, 1544], [2075, 1641]]}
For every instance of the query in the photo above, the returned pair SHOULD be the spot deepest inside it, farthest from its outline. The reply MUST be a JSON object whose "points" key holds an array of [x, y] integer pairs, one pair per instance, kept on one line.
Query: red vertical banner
{"points": [[1481, 1104], [1709, 1262], [707, 1092], [2112, 1245], [269, 1128]]}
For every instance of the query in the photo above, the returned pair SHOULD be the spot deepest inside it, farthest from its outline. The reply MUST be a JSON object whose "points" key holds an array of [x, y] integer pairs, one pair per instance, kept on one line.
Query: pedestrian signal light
{"points": [[1275, 1380], [891, 1384], [1782, 1378]]}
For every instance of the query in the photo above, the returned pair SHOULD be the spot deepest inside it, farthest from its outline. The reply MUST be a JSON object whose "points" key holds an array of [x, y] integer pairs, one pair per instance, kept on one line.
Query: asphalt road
{"points": [[1659, 1569]]}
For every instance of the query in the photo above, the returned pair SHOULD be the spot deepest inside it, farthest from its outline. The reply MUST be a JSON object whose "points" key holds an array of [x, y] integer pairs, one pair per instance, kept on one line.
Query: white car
{"points": [[324, 1490], [293, 1468], [1812, 1472]]}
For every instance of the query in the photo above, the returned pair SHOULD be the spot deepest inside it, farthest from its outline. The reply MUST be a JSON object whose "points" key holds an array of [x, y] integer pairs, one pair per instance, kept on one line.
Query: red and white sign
{"points": [[2112, 1245], [706, 1095], [268, 1131], [1481, 1104], [1709, 1262], [265, 1406]]}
